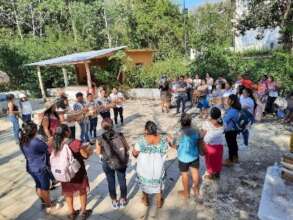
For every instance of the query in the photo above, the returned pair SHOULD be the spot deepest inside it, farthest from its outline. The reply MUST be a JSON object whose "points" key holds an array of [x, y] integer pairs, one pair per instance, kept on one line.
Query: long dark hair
{"points": [[27, 132], [151, 128], [50, 111], [61, 133], [215, 114], [185, 120], [235, 101], [107, 125]]}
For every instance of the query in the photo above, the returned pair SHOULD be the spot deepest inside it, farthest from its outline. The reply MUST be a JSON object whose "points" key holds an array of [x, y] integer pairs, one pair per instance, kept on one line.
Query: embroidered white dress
{"points": [[150, 165]]}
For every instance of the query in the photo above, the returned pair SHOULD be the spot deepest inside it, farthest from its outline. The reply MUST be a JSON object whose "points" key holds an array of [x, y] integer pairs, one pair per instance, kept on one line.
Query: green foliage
{"points": [[147, 77]]}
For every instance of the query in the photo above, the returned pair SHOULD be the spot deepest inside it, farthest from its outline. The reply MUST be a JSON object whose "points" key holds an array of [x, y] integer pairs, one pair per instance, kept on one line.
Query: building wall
{"points": [[248, 40], [141, 57]]}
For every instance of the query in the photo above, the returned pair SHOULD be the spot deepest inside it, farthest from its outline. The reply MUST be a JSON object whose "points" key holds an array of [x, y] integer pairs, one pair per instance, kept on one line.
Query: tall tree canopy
{"points": [[270, 14]]}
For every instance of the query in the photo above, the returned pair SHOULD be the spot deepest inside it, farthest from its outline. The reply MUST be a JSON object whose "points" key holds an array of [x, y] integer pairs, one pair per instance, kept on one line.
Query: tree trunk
{"points": [[107, 30], [33, 20], [17, 21]]}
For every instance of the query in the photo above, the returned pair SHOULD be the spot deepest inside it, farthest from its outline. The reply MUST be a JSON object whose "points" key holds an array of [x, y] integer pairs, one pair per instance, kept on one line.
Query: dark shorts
{"points": [[42, 179], [184, 167]]}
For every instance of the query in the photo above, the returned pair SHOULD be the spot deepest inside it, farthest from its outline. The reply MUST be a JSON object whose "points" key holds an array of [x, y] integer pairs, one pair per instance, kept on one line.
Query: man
{"points": [[93, 117], [84, 123], [181, 94], [117, 98]]}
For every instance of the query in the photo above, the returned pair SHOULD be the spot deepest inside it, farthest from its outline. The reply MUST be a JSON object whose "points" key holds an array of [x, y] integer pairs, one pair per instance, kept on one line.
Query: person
{"points": [[93, 117], [93, 90], [245, 82], [187, 143], [203, 103], [247, 103], [64, 109], [272, 95], [227, 92], [36, 155], [214, 141], [13, 114], [117, 98], [196, 81], [49, 123], [261, 96], [25, 108], [181, 95], [113, 149], [150, 151], [289, 111], [104, 104], [221, 80], [79, 184], [165, 94], [210, 82], [230, 130], [189, 88], [80, 105]]}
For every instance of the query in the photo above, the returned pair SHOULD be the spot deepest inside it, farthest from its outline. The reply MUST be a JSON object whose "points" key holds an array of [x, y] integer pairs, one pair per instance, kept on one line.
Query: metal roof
{"points": [[76, 57]]}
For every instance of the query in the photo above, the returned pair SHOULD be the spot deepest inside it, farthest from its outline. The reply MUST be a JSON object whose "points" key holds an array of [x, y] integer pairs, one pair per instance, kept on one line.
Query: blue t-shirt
{"points": [[36, 155], [188, 145]]}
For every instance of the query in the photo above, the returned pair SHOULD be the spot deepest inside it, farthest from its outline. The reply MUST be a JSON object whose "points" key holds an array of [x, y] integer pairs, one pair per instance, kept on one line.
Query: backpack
{"points": [[115, 150], [63, 164], [244, 119]]}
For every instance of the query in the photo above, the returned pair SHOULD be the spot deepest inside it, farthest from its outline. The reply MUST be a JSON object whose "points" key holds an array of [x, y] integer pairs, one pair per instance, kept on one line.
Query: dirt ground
{"points": [[235, 196]]}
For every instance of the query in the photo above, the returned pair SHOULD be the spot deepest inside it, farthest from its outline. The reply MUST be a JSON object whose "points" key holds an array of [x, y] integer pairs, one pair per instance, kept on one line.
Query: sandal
{"points": [[84, 215], [73, 215]]}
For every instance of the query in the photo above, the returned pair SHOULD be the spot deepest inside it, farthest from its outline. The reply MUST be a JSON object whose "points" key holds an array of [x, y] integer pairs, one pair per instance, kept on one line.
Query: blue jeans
{"points": [[27, 118], [93, 127], [181, 98], [245, 135], [15, 126], [110, 174], [85, 131]]}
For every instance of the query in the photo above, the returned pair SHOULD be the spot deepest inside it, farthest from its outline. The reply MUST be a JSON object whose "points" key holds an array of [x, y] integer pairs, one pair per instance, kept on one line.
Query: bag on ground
{"points": [[63, 164]]}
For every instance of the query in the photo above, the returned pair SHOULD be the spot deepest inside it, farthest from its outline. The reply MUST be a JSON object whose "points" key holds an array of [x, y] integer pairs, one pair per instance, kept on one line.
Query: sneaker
{"points": [[122, 203], [115, 204], [84, 215], [73, 215]]}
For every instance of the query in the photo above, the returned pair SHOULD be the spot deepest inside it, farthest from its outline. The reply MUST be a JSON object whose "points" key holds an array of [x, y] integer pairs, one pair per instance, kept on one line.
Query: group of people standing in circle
{"points": [[228, 111]]}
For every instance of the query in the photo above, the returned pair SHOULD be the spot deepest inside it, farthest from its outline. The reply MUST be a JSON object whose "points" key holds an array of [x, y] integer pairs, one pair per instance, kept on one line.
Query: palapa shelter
{"points": [[82, 62]]}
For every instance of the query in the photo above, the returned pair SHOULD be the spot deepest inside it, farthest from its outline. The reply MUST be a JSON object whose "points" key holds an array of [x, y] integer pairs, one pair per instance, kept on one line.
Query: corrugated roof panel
{"points": [[76, 57]]}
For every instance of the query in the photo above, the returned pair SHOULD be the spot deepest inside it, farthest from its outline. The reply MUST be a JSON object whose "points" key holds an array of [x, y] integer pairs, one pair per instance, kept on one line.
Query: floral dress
{"points": [[150, 165]]}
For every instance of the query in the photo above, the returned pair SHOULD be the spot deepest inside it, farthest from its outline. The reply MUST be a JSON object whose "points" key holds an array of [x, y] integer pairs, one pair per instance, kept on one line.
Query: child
{"points": [[93, 117], [213, 133], [187, 145]]}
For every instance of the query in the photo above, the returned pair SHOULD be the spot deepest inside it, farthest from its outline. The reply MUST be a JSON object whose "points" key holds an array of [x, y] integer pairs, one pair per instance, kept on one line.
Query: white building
{"points": [[249, 41]]}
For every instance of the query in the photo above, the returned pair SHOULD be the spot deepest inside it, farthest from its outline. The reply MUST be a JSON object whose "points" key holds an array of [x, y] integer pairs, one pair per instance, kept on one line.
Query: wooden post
{"points": [[66, 83], [88, 76], [41, 83]]}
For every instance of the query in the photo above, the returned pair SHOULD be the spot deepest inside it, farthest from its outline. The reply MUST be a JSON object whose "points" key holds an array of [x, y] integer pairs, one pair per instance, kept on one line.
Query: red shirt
{"points": [[247, 83]]}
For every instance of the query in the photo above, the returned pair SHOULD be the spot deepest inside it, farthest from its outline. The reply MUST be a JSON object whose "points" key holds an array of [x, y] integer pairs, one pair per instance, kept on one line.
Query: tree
{"points": [[269, 14]]}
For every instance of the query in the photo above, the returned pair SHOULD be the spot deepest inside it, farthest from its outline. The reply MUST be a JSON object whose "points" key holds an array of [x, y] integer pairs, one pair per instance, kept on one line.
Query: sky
{"points": [[194, 3]]}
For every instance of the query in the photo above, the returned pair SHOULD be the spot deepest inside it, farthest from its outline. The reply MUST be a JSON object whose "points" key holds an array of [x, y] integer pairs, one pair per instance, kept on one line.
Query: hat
{"points": [[21, 96], [48, 105]]}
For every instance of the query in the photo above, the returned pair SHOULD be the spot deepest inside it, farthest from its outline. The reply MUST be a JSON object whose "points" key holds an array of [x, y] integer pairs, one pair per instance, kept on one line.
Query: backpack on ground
{"points": [[63, 164], [115, 150], [244, 119]]}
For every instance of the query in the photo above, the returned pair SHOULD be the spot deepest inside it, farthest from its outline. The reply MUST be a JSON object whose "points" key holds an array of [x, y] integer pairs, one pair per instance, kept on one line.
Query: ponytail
{"points": [[60, 135]]}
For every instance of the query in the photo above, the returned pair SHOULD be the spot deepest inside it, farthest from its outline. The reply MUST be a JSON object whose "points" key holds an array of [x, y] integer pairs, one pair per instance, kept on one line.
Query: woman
{"points": [[113, 148], [79, 184], [13, 113], [37, 157], [196, 81], [230, 129], [203, 103], [272, 94], [49, 124], [188, 143], [214, 141], [210, 82], [117, 98], [261, 98], [165, 94], [150, 151], [104, 105]]}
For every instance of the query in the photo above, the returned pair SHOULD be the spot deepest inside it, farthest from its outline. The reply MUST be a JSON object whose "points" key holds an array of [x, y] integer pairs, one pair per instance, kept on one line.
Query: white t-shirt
{"points": [[214, 136], [247, 103], [26, 108], [114, 97]]}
